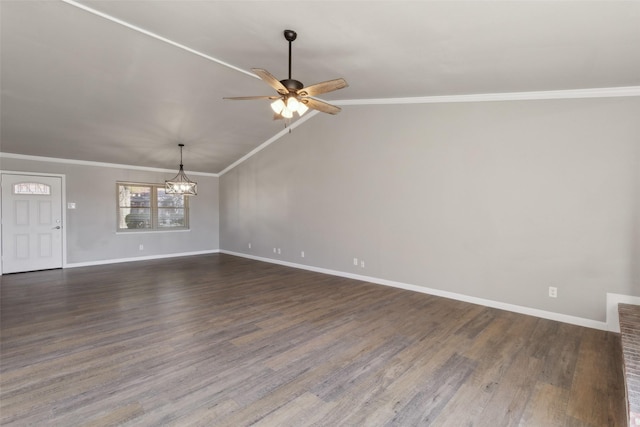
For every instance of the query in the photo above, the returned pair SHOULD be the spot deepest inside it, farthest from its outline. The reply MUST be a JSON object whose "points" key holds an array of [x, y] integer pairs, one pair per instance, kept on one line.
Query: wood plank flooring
{"points": [[218, 340]]}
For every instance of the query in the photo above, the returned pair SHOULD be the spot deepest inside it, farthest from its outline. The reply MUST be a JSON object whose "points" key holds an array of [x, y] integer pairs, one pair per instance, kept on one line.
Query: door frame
{"points": [[63, 192]]}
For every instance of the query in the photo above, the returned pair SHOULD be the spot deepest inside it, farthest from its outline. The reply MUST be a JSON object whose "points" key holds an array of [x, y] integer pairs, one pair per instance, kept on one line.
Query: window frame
{"points": [[154, 209], [36, 192]]}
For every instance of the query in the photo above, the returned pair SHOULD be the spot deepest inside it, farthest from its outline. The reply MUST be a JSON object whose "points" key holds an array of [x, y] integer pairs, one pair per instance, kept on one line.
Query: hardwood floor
{"points": [[218, 340]]}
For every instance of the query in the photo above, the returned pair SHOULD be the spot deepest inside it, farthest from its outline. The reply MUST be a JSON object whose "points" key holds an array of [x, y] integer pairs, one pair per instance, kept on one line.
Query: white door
{"points": [[31, 222]]}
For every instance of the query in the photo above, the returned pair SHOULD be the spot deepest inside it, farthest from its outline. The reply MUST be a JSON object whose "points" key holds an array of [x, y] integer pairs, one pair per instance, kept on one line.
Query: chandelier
{"points": [[181, 184]]}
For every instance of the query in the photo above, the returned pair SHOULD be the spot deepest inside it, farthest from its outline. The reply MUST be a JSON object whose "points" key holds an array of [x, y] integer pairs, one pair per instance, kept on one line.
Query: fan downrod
{"points": [[291, 84]]}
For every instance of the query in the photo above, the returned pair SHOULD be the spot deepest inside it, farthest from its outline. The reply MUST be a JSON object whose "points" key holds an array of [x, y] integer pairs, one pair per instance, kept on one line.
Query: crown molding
{"points": [[96, 164], [605, 92], [270, 141]]}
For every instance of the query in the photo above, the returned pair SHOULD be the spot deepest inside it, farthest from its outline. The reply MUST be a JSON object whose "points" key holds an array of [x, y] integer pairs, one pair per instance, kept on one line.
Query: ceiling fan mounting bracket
{"points": [[290, 35]]}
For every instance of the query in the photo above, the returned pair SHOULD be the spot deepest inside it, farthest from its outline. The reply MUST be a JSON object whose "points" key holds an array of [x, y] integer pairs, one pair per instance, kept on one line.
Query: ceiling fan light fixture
{"points": [[181, 184], [302, 108], [277, 106], [293, 96], [286, 113], [292, 103], [288, 107]]}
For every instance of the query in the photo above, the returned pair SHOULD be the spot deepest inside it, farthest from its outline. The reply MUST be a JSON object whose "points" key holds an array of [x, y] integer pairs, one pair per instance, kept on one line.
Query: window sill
{"points": [[152, 231]]}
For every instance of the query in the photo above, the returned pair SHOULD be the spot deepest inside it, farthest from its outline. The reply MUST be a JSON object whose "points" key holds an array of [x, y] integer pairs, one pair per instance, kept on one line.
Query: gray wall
{"points": [[495, 200], [90, 229]]}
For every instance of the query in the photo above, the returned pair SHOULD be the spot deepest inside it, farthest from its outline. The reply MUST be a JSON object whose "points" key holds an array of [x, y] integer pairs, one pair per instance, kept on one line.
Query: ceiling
{"points": [[77, 85]]}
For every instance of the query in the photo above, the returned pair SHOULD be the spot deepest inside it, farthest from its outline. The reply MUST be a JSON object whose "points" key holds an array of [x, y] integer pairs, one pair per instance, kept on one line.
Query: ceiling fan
{"points": [[293, 96]]}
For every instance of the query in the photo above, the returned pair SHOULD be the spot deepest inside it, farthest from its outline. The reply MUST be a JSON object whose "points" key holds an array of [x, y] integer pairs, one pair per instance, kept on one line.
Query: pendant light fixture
{"points": [[181, 184]]}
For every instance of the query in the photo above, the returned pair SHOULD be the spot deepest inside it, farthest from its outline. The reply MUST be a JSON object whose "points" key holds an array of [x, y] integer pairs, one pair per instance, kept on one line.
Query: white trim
{"points": [[269, 141], [63, 192], [156, 36], [607, 92], [612, 299], [613, 320], [96, 164], [141, 258], [135, 232], [580, 321]]}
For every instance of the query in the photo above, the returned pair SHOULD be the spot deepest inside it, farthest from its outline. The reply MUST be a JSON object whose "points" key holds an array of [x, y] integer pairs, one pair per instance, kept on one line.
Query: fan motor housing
{"points": [[291, 84]]}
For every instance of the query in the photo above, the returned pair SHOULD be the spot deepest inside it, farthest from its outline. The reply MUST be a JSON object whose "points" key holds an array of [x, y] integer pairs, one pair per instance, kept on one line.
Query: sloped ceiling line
{"points": [[507, 96], [156, 36], [270, 141], [485, 97]]}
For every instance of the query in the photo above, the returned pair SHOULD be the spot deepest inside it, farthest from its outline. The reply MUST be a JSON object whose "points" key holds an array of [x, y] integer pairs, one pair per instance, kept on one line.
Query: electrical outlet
{"points": [[141, 247], [275, 250], [279, 251], [301, 254], [355, 262], [362, 264], [553, 292], [249, 245]]}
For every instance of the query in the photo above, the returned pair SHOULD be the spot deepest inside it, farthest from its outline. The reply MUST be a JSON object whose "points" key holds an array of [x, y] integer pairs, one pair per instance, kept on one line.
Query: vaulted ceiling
{"points": [[125, 81]]}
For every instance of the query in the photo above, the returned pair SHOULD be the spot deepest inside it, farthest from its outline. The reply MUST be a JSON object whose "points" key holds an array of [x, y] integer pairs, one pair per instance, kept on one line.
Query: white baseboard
{"points": [[580, 321], [613, 320], [141, 258], [612, 299]]}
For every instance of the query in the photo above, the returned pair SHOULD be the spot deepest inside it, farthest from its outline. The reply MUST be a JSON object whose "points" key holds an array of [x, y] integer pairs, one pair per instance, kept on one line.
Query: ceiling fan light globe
{"points": [[302, 109], [292, 103], [277, 106], [286, 113]]}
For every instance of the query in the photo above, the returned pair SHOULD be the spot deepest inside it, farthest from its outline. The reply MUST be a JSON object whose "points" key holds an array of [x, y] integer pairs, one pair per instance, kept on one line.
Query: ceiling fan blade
{"points": [[324, 87], [321, 106], [268, 78], [242, 98]]}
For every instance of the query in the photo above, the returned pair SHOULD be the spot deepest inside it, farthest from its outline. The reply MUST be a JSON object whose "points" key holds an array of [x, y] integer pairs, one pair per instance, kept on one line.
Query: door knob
{"points": [[56, 228]]}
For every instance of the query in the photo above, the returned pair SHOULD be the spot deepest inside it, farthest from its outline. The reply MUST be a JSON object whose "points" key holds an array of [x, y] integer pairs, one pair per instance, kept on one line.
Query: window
{"points": [[146, 207], [32, 189]]}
